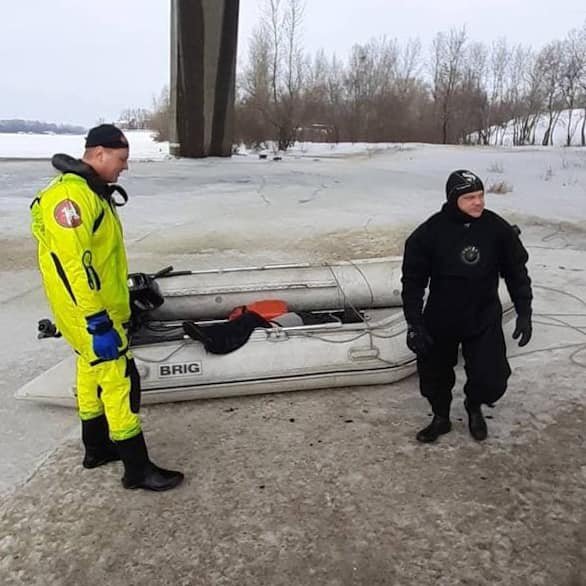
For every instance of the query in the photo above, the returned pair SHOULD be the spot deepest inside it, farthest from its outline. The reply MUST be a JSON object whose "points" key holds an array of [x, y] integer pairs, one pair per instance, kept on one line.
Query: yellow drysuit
{"points": [[83, 264]]}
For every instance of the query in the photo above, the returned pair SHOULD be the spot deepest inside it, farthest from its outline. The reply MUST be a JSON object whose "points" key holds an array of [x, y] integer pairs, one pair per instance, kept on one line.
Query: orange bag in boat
{"points": [[267, 308]]}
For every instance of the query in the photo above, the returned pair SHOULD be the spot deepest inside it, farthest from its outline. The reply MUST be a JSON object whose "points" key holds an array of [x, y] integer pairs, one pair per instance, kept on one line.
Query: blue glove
{"points": [[105, 338]]}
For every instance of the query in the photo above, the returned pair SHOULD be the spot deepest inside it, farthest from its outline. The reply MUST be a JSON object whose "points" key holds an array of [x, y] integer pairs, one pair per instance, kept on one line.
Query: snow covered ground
{"points": [[571, 120], [351, 201]]}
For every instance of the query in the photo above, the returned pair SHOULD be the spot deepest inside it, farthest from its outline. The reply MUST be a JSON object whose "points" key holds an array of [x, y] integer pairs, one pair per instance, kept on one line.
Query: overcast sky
{"points": [[75, 61]]}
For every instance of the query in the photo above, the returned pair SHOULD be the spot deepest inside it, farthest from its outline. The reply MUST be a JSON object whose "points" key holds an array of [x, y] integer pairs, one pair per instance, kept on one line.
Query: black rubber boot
{"points": [[439, 426], [476, 421], [140, 472], [99, 448]]}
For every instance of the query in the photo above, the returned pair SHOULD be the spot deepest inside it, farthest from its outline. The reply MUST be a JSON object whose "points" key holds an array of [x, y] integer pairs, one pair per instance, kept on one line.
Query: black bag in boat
{"points": [[226, 337]]}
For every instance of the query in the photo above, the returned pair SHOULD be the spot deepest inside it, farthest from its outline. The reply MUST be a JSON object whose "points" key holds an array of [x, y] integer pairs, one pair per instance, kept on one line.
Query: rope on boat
{"points": [[156, 361], [370, 331]]}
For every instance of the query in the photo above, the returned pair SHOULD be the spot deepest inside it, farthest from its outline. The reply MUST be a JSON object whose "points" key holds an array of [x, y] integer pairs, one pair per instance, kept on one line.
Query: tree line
{"points": [[458, 91], [37, 127]]}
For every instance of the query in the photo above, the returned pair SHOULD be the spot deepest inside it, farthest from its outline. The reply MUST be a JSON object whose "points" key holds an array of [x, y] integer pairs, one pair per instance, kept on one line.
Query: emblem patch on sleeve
{"points": [[67, 214]]}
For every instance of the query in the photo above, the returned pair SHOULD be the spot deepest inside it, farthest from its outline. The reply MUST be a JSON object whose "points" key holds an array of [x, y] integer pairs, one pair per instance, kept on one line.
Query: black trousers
{"points": [[486, 365]]}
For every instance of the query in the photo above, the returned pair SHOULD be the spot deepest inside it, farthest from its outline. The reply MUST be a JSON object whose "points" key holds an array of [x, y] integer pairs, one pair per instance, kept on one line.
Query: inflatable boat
{"points": [[343, 326]]}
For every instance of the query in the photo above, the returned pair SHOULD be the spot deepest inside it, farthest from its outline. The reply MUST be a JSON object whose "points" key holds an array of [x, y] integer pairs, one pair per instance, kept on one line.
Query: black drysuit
{"points": [[462, 258]]}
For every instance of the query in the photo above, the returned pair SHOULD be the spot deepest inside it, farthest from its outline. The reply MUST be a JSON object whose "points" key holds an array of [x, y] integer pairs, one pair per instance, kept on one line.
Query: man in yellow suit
{"points": [[82, 260]]}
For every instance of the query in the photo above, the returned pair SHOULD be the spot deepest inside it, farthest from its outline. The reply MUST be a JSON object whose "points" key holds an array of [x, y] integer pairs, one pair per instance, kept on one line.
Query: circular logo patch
{"points": [[470, 255], [67, 214]]}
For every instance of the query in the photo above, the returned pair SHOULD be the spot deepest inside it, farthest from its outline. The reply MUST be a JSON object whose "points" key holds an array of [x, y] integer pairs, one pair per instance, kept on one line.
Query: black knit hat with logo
{"points": [[462, 182], [106, 135]]}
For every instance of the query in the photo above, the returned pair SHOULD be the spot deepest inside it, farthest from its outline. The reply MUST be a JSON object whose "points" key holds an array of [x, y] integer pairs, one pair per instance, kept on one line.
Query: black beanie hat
{"points": [[106, 135], [461, 182]]}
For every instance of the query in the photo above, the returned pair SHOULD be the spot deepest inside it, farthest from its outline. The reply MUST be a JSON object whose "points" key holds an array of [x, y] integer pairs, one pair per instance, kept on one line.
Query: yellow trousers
{"points": [[111, 388]]}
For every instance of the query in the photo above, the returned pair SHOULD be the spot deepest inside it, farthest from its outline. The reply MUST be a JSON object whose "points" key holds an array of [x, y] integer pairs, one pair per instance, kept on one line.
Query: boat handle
{"points": [[357, 354]]}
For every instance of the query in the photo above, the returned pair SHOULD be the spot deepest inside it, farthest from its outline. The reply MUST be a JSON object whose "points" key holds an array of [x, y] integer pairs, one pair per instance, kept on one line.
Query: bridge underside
{"points": [[204, 36]]}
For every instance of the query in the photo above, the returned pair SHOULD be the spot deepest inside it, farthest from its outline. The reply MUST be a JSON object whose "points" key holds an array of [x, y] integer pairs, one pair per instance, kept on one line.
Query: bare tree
{"points": [[256, 80], [472, 99], [160, 116], [582, 82], [524, 95], [448, 53], [254, 114], [409, 65], [277, 42], [372, 72], [335, 96], [318, 118], [572, 71], [293, 74], [499, 62], [549, 69]]}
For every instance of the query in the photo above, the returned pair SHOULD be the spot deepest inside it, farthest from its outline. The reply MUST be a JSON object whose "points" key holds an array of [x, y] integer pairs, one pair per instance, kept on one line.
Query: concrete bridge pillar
{"points": [[204, 35]]}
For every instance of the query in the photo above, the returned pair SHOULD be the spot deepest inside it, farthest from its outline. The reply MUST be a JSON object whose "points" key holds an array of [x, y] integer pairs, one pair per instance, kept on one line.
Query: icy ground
{"points": [[311, 205]]}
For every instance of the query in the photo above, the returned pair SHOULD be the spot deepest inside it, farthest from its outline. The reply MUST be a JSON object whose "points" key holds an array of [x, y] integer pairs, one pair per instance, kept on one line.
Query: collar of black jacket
{"points": [[67, 164]]}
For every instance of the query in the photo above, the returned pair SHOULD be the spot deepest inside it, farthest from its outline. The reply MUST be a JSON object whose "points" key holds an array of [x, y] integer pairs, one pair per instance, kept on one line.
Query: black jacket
{"points": [[462, 258]]}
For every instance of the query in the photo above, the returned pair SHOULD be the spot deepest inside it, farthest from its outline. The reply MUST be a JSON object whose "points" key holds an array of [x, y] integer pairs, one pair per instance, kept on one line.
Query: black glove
{"points": [[523, 328], [418, 340]]}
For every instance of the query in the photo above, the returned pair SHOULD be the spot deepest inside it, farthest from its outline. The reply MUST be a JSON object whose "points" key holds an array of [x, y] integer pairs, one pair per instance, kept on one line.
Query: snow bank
{"points": [[504, 137]]}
